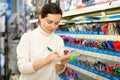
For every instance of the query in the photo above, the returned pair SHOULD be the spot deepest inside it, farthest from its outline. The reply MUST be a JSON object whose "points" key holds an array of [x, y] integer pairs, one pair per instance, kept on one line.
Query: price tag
{"points": [[89, 73], [93, 54], [117, 37], [102, 56], [104, 18], [96, 37], [98, 77], [85, 53], [109, 57]]}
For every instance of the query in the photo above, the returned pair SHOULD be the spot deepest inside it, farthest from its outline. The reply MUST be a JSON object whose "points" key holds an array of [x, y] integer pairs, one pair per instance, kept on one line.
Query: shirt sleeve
{"points": [[23, 52]]}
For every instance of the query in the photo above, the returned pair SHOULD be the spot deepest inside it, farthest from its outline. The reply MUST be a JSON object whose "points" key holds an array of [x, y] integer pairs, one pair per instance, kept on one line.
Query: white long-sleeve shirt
{"points": [[33, 46]]}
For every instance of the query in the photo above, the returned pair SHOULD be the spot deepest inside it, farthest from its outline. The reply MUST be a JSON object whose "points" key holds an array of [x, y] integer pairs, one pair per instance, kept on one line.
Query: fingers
{"points": [[54, 55], [65, 59], [57, 53]]}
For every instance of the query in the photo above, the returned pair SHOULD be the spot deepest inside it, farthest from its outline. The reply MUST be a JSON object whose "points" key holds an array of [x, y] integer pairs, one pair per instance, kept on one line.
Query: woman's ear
{"points": [[39, 17]]}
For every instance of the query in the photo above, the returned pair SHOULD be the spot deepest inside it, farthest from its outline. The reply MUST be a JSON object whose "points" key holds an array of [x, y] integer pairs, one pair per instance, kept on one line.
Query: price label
{"points": [[104, 18], [98, 77], [84, 52], [89, 73], [96, 37], [93, 54], [117, 37], [109, 57], [102, 56]]}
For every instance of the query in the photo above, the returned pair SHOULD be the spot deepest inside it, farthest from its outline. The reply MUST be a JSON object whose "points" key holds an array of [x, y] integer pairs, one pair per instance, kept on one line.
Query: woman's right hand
{"points": [[54, 55]]}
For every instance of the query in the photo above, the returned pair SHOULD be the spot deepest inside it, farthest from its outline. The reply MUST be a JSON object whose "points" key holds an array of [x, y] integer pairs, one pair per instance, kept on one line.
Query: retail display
{"points": [[94, 39], [90, 30]]}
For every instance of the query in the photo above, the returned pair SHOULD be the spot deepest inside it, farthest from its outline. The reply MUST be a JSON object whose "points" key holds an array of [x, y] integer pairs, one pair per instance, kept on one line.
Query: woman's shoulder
{"points": [[57, 37], [30, 33]]}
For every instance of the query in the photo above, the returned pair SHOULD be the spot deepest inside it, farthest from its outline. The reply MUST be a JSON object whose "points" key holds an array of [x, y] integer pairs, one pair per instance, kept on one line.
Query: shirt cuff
{"points": [[60, 72]]}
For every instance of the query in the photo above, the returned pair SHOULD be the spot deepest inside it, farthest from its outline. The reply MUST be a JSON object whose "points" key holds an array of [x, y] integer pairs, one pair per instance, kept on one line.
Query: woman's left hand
{"points": [[65, 59]]}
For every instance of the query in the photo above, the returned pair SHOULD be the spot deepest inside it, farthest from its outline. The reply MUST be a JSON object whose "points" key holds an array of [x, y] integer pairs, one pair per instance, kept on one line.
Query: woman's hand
{"points": [[61, 67], [65, 59], [54, 55]]}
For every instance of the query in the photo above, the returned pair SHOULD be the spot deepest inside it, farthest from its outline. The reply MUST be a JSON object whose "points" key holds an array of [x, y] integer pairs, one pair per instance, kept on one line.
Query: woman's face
{"points": [[50, 22]]}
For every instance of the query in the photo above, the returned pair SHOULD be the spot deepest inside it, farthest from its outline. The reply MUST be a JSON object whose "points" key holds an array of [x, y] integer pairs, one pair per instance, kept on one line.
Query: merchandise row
{"points": [[97, 68], [108, 28], [70, 10]]}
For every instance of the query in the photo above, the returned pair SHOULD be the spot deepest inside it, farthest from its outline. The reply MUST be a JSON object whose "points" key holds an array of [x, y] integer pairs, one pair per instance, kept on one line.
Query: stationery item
{"points": [[60, 57], [49, 49]]}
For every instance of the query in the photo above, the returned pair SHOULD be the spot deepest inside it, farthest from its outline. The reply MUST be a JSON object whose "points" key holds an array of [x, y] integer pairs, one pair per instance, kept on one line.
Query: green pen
{"points": [[50, 49]]}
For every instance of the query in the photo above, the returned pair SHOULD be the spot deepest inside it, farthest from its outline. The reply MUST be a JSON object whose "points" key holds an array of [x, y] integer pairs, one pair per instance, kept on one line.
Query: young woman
{"points": [[35, 60]]}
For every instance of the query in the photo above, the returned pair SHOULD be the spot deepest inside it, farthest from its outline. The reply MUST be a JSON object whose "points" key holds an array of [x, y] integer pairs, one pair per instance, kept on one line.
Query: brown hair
{"points": [[50, 8]]}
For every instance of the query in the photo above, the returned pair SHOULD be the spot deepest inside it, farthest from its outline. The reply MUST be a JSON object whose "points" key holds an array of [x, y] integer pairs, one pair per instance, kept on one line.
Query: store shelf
{"points": [[91, 72], [108, 8], [86, 72], [88, 36], [98, 54], [106, 20]]}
